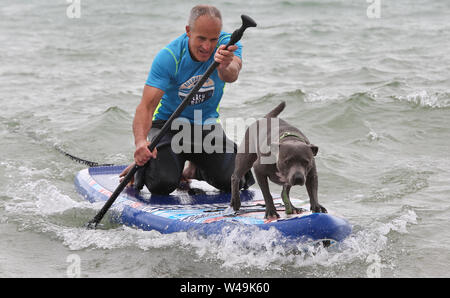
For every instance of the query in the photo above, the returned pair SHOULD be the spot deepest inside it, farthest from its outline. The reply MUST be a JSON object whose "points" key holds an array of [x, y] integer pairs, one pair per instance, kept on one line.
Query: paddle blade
{"points": [[92, 225]]}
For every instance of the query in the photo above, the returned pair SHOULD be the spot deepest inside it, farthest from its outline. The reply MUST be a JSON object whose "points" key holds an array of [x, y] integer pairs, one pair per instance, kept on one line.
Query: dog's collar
{"points": [[290, 134]]}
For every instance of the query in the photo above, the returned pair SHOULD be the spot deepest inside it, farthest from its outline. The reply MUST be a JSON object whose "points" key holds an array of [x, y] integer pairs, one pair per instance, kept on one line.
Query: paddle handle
{"points": [[235, 37]]}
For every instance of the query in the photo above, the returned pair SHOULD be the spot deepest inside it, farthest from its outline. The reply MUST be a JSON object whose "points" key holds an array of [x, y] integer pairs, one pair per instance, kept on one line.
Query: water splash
{"points": [[424, 98]]}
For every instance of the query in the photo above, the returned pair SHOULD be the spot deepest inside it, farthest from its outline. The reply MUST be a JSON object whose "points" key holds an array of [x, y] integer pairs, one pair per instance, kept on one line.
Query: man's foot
{"points": [[187, 175]]}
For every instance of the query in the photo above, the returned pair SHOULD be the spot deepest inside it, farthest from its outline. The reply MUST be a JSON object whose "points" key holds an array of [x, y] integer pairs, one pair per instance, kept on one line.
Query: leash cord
{"points": [[80, 160]]}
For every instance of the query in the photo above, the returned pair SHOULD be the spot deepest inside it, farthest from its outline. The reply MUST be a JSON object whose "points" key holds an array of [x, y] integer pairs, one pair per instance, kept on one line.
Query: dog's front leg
{"points": [[235, 197], [243, 163], [289, 208], [312, 185], [271, 211]]}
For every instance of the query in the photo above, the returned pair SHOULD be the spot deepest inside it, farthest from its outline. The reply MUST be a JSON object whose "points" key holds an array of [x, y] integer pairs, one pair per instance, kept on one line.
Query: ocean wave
{"points": [[115, 112], [364, 101], [38, 194], [270, 96], [396, 183], [318, 96], [102, 125], [398, 224], [424, 98]]}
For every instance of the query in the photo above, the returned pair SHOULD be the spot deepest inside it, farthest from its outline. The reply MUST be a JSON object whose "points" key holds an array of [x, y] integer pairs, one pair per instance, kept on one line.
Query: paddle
{"points": [[235, 37]]}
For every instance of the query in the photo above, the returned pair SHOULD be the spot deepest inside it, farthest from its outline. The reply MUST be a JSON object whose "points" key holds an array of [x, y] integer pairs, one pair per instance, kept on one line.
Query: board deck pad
{"points": [[204, 208]]}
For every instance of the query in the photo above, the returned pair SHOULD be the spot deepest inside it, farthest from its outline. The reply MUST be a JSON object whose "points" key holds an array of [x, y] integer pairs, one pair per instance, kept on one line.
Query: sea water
{"points": [[366, 81]]}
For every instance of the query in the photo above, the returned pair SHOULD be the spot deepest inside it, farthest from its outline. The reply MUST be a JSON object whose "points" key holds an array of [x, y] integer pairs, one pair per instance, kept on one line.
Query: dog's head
{"points": [[295, 160]]}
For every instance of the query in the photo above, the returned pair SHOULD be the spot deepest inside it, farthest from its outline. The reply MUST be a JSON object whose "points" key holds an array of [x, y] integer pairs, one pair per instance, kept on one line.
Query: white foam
{"points": [[40, 197], [319, 97], [425, 99], [268, 250], [399, 224], [372, 135]]}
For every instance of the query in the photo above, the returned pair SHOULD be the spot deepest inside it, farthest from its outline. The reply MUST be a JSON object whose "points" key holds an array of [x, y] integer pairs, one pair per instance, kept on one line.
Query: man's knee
{"points": [[162, 175], [162, 187], [161, 182], [223, 183]]}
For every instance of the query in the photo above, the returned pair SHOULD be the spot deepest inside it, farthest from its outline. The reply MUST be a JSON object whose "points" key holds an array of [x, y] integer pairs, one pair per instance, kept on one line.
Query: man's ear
{"points": [[188, 31], [314, 149]]}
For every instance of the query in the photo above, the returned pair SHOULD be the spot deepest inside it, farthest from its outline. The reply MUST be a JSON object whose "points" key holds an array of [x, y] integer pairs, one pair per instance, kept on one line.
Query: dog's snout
{"points": [[298, 179]]}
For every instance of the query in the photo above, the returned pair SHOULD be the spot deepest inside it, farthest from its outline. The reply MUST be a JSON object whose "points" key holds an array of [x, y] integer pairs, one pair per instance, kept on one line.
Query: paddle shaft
{"points": [[235, 37]]}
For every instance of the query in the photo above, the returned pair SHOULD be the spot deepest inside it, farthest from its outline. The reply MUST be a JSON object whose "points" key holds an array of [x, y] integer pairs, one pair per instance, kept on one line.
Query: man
{"points": [[174, 72]]}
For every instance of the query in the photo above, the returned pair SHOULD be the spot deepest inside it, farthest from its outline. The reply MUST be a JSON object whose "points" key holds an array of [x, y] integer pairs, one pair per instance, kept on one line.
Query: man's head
{"points": [[203, 29]]}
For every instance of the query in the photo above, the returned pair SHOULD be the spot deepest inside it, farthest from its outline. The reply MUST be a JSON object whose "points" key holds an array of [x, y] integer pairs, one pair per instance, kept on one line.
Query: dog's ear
{"points": [[314, 149]]}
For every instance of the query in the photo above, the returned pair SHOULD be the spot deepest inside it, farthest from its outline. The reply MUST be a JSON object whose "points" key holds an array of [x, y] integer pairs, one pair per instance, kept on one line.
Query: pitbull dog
{"points": [[292, 165]]}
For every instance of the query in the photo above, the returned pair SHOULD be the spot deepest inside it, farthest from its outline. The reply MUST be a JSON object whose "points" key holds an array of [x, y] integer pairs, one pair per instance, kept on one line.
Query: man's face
{"points": [[203, 37]]}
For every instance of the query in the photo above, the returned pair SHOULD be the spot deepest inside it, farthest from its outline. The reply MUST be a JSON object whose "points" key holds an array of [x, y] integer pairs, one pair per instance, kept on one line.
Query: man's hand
{"points": [[142, 123], [230, 65], [142, 154], [224, 57]]}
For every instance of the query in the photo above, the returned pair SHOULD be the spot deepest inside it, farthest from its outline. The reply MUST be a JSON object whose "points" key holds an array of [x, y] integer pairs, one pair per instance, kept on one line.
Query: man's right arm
{"points": [[142, 123]]}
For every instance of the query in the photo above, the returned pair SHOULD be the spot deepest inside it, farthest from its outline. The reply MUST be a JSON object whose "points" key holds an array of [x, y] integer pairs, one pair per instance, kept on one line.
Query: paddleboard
{"points": [[204, 209]]}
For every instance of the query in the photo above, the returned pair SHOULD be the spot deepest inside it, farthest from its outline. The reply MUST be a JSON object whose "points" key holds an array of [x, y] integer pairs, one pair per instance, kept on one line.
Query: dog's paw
{"points": [[318, 209], [293, 210], [271, 214], [298, 210], [236, 204]]}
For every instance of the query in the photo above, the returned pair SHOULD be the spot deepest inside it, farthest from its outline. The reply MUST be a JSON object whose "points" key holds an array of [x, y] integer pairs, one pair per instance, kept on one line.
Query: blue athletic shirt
{"points": [[176, 73]]}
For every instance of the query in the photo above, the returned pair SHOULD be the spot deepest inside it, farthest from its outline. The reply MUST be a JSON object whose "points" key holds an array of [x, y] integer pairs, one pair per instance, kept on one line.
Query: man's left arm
{"points": [[230, 64]]}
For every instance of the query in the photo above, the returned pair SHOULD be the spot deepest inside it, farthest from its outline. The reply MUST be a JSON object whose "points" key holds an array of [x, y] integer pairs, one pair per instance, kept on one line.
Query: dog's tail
{"points": [[275, 112]]}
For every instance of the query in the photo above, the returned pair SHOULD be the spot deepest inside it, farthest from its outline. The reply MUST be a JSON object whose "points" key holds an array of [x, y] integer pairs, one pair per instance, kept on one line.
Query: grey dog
{"points": [[280, 152]]}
